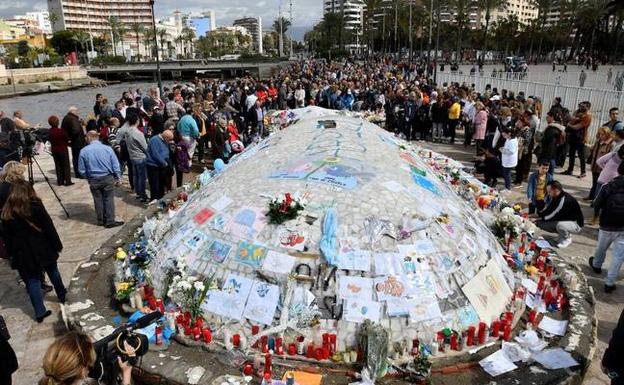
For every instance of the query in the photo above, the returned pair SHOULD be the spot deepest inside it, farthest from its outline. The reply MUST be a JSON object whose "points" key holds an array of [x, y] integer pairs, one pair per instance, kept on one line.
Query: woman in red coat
{"points": [[59, 141]]}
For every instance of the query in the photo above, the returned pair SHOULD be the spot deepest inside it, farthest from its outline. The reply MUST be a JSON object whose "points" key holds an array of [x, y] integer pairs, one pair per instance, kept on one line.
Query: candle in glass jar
{"points": [[207, 335], [470, 336], [481, 334], [507, 332], [292, 349], [495, 328], [454, 341]]}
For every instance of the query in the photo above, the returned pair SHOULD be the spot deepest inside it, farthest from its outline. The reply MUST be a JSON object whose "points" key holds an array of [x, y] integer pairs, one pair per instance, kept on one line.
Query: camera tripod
{"points": [[30, 160]]}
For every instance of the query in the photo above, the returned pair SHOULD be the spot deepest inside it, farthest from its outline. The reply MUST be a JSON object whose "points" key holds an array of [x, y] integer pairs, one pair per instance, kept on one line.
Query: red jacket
{"points": [[59, 141]]}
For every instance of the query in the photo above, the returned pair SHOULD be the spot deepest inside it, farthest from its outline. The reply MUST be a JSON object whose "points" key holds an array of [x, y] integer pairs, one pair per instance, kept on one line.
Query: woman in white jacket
{"points": [[509, 155]]}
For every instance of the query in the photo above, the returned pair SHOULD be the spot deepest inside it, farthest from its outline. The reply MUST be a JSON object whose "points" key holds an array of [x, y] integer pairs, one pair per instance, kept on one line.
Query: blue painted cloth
{"points": [[329, 240], [97, 160], [150, 330]]}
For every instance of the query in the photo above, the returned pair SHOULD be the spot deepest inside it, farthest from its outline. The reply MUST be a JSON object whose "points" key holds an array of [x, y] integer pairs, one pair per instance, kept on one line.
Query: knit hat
{"points": [[619, 126]]}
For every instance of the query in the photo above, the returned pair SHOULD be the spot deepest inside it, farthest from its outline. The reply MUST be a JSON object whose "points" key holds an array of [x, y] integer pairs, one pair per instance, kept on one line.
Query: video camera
{"points": [[105, 370], [25, 140]]}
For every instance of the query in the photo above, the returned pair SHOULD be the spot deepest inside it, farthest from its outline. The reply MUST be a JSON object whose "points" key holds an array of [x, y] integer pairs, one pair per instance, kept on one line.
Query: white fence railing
{"points": [[602, 100]]}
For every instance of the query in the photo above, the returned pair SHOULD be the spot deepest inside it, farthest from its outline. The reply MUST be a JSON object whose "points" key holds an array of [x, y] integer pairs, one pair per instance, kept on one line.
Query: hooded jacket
{"points": [[610, 201]]}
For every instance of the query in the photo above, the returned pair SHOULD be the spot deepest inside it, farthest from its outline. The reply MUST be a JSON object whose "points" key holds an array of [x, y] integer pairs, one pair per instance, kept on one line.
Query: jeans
{"points": [[551, 167], [438, 131], [565, 229], [594, 190], [140, 176], [605, 239], [507, 177], [574, 149], [33, 286], [452, 127], [103, 191]]}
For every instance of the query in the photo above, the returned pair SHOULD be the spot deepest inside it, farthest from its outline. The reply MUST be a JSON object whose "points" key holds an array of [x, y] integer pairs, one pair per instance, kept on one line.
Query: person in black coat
{"points": [[551, 139], [612, 359], [7, 355], [32, 244], [71, 124]]}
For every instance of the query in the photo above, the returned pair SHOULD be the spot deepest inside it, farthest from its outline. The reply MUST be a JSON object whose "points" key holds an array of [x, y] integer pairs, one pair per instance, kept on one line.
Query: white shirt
{"points": [[509, 153]]}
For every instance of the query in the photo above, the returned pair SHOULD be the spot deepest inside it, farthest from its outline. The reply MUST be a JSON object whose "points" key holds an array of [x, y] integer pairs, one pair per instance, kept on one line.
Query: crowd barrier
{"points": [[601, 99]]}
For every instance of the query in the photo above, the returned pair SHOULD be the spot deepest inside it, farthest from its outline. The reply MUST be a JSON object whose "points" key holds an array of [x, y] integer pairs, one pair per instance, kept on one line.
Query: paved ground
{"points": [[81, 237]]}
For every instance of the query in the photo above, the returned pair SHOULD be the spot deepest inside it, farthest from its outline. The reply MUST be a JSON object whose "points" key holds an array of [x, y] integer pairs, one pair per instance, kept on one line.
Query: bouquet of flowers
{"points": [[284, 209], [189, 291], [123, 290], [509, 225]]}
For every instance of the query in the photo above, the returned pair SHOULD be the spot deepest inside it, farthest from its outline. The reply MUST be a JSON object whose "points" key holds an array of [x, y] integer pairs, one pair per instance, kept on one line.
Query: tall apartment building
{"points": [[40, 18], [353, 11], [92, 16], [253, 25], [524, 10]]}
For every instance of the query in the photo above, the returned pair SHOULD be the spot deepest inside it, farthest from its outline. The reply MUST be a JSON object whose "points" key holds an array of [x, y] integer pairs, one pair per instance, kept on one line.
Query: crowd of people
{"points": [[153, 136]]}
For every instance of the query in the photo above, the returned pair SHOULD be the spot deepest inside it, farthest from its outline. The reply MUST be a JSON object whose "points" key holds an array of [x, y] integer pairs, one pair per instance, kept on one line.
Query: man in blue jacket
{"points": [[158, 163]]}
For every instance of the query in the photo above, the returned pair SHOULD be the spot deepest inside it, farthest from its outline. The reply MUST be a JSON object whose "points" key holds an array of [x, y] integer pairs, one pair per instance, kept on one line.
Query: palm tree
{"points": [[188, 35], [179, 41], [137, 29], [369, 22], [488, 6], [148, 40], [280, 26], [114, 23], [53, 17], [461, 8], [162, 38]]}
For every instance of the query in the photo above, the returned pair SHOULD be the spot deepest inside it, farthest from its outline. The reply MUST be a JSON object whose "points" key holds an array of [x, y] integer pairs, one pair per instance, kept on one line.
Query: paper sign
{"points": [[358, 310], [262, 302], [553, 326], [390, 287], [202, 216], [219, 222], [418, 248], [250, 254], [556, 358], [224, 304], [535, 302], [278, 263], [530, 285], [355, 288], [197, 240], [423, 309], [291, 239], [497, 363], [221, 203], [398, 307], [349, 259], [425, 183], [247, 223], [217, 252], [488, 292], [388, 264], [543, 244]]}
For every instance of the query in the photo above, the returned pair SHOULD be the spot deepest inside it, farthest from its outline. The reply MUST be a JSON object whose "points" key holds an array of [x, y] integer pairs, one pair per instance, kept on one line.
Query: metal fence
{"points": [[601, 99]]}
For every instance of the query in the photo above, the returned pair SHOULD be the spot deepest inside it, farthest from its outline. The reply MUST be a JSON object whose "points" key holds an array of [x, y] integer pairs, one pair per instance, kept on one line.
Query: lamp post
{"points": [[156, 45]]}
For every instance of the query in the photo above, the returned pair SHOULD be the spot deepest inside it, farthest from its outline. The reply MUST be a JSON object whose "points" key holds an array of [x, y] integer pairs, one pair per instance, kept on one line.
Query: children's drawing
{"points": [[398, 307], [202, 216], [278, 263], [250, 254], [388, 264], [424, 309], [237, 284], [359, 310], [425, 183], [355, 287], [224, 304], [197, 240], [247, 223], [467, 316], [217, 252], [262, 302], [219, 222], [354, 259], [332, 170], [291, 239], [390, 287], [488, 292]]}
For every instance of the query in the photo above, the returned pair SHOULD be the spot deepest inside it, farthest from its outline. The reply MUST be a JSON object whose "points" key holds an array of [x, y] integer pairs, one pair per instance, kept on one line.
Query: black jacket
{"points": [[612, 359], [551, 138], [71, 125], [610, 201], [31, 249], [563, 208]]}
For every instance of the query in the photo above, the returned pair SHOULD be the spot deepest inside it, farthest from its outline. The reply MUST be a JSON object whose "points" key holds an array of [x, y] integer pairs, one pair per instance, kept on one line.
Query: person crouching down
{"points": [[562, 215]]}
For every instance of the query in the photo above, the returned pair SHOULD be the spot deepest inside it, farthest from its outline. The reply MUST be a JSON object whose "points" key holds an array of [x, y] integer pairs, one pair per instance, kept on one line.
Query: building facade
{"points": [[353, 13], [92, 16], [41, 20], [253, 25], [203, 22], [524, 10]]}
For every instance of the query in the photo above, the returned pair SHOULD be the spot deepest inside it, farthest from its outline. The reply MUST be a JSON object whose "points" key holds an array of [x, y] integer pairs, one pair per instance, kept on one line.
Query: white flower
{"points": [[508, 211], [199, 286], [191, 279]]}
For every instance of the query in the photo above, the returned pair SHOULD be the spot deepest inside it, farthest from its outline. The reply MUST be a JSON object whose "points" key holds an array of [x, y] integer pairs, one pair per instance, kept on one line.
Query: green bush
{"points": [[108, 59]]}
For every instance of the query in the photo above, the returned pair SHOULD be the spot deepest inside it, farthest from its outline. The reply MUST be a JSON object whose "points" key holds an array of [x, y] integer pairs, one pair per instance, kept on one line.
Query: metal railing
{"points": [[602, 100]]}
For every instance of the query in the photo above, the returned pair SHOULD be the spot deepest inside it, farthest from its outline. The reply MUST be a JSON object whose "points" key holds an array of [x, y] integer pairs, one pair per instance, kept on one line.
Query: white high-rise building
{"points": [[40, 18], [524, 10], [353, 11], [253, 25]]}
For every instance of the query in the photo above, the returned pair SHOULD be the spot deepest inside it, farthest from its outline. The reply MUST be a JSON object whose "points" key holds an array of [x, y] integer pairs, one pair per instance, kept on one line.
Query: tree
{"points": [[118, 30], [137, 29], [180, 40], [488, 6], [162, 38], [148, 42], [53, 17], [369, 21], [188, 35], [23, 48], [63, 42], [280, 26]]}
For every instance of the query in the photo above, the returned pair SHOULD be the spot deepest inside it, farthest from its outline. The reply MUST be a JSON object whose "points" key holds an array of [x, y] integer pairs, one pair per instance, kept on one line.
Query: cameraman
{"points": [[69, 359]]}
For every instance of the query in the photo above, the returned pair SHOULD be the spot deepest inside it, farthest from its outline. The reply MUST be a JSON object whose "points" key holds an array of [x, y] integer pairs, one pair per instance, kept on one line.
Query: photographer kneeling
{"points": [[71, 357]]}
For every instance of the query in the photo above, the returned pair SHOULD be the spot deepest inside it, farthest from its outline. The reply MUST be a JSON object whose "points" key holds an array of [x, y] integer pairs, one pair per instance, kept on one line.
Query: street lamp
{"points": [[160, 90]]}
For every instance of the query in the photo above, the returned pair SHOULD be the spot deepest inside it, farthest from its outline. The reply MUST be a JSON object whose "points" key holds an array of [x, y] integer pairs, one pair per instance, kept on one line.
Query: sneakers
{"points": [[609, 288], [44, 316], [597, 270], [565, 243]]}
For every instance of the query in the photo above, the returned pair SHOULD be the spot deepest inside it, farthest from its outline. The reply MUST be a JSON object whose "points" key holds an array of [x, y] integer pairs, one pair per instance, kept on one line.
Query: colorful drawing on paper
{"points": [[446, 265], [250, 254], [398, 307], [355, 287], [353, 259], [388, 264], [359, 310], [247, 223], [202, 216], [425, 183], [390, 287], [262, 302], [219, 222], [291, 239], [339, 172], [424, 309], [180, 234], [467, 316], [237, 284], [224, 304], [197, 240], [217, 252], [278, 263], [488, 292]]}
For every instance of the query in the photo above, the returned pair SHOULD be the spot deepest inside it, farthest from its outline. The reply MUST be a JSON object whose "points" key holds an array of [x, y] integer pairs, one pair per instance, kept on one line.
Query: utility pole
{"points": [[383, 32], [396, 27], [281, 32], [158, 75], [290, 29], [437, 44], [411, 34], [429, 43]]}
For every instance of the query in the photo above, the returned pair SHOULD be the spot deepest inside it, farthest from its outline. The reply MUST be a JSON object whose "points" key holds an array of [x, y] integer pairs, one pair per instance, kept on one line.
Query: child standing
{"points": [[509, 155], [536, 189]]}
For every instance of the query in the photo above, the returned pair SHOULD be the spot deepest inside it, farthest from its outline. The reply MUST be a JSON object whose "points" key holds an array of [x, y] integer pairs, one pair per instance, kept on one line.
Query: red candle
{"points": [[509, 317], [310, 351], [160, 305], [278, 346], [236, 340], [267, 363], [332, 344], [548, 297], [454, 341], [255, 329], [158, 333], [495, 328], [196, 333], [207, 335], [187, 317], [187, 330], [248, 370], [147, 291], [532, 316], [415, 347], [481, 334], [319, 354], [326, 352], [292, 349], [199, 322], [540, 284], [264, 343], [325, 339], [152, 303], [507, 332], [470, 336], [549, 271]]}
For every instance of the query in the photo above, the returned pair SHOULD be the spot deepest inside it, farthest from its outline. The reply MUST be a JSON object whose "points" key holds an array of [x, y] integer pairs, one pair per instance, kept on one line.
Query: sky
{"points": [[305, 12]]}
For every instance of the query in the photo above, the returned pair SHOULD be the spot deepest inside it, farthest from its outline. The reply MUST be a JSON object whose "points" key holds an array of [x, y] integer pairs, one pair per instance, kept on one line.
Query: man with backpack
{"points": [[610, 202]]}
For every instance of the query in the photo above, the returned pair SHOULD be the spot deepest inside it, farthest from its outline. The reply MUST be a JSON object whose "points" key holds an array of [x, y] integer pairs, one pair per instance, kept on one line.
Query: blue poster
{"points": [[425, 183]]}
